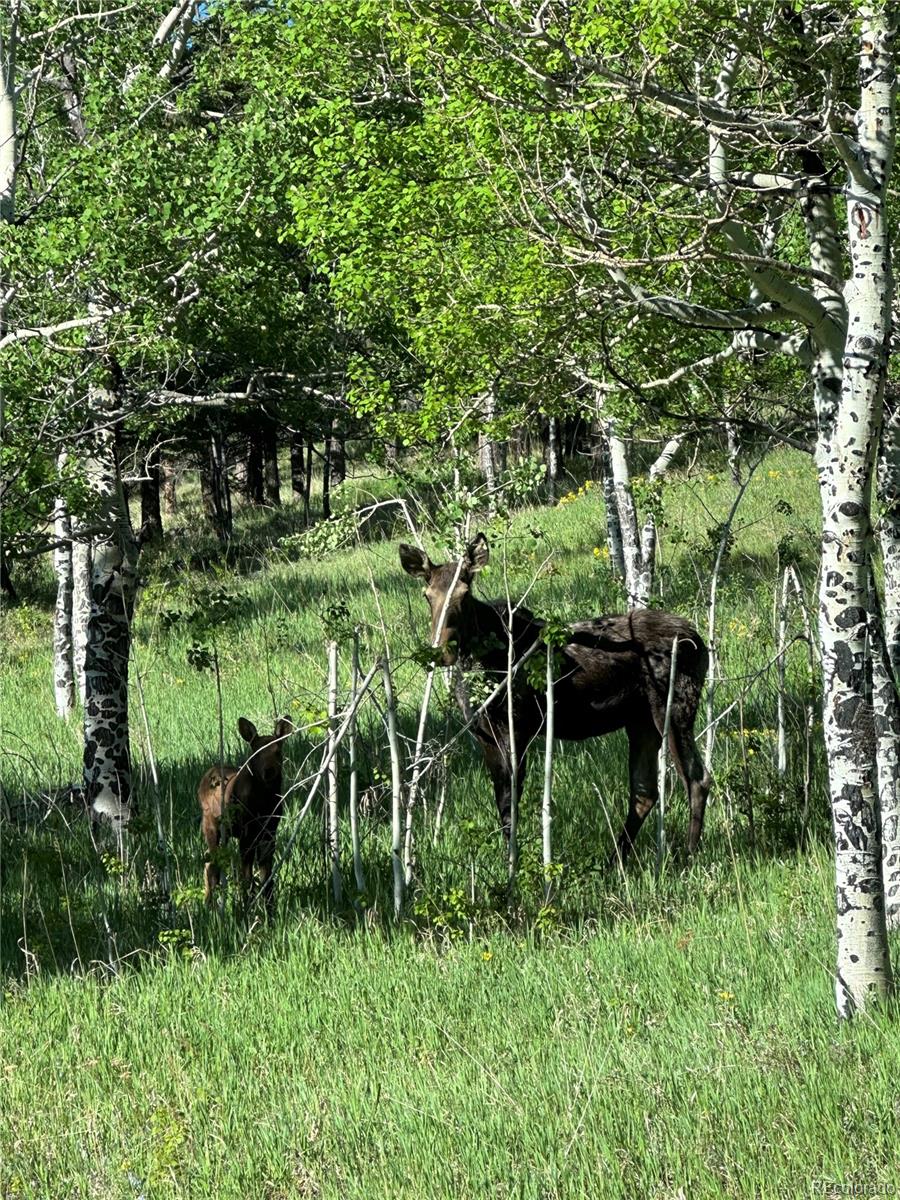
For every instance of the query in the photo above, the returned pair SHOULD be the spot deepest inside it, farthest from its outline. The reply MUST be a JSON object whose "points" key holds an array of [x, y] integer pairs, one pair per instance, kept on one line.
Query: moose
{"points": [[246, 803], [615, 675]]}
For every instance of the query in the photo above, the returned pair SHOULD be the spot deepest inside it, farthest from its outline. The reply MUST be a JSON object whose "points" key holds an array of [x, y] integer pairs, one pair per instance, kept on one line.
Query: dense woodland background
{"points": [[285, 284]]}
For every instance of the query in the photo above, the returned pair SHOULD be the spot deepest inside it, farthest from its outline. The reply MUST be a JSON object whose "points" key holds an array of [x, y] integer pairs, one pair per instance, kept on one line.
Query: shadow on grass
{"points": [[69, 905]]}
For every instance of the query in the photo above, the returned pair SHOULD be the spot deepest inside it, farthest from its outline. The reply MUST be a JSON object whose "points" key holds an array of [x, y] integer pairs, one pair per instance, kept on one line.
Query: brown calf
{"points": [[245, 803]]}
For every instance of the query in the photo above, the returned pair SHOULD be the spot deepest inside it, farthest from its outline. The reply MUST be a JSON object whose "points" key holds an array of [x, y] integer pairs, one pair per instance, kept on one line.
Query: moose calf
{"points": [[245, 802]]}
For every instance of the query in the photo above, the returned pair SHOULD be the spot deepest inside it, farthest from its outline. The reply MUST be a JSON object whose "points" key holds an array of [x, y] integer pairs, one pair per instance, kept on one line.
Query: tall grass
{"points": [[634, 1037]]}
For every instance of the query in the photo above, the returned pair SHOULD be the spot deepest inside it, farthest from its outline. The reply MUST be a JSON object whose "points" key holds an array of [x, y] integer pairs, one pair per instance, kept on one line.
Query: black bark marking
{"points": [[844, 662], [850, 617]]}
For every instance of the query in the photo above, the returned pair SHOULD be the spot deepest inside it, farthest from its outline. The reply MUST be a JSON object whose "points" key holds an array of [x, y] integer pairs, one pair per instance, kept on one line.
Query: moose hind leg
{"points": [[643, 751], [211, 871], [695, 777]]}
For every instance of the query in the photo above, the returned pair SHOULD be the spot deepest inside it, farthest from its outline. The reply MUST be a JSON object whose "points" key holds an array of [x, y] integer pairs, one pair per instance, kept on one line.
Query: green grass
{"points": [[634, 1037], [688, 1050]]}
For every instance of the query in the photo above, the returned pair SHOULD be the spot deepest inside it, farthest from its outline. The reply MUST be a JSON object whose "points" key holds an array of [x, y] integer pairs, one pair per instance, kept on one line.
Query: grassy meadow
{"points": [[631, 1036]]}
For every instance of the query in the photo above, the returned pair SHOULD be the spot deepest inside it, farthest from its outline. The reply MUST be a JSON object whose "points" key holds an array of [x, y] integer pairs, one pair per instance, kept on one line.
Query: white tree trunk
{"points": [[390, 718], [734, 452], [107, 757], [845, 477], [334, 829], [81, 600], [547, 800], [63, 674], [487, 449], [8, 146], [638, 549], [889, 529], [635, 576], [886, 708], [613, 529], [358, 873], [781, 762], [886, 663], [552, 457]]}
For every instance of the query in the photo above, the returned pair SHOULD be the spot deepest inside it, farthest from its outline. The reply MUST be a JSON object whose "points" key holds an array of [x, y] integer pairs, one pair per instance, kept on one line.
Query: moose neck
{"points": [[483, 633]]}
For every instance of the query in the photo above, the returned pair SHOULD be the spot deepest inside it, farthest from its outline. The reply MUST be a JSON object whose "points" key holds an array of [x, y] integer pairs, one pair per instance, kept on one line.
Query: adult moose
{"points": [[615, 676]]}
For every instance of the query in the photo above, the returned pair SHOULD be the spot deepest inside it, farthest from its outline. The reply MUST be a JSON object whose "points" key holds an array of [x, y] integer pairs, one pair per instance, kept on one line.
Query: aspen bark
{"points": [[359, 874], [663, 749], [63, 669], [552, 457], [889, 527], [326, 479], [390, 717], [781, 732], [107, 755], [627, 519], [886, 662], [81, 601], [487, 449], [547, 800], [513, 749], [334, 831], [734, 452], [8, 132], [886, 709], [613, 527], [845, 477]]}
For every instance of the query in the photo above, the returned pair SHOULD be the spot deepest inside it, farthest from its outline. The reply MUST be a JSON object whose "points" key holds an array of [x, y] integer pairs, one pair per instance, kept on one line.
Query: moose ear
{"points": [[283, 727], [415, 562], [247, 730], [477, 553]]}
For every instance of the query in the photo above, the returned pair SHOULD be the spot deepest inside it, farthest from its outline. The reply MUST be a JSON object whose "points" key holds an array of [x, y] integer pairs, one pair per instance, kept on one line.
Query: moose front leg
{"points": [[265, 854], [497, 761]]}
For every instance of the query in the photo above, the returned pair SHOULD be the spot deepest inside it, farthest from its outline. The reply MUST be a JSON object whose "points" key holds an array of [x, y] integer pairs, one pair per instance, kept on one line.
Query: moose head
{"points": [[448, 592], [264, 763]]}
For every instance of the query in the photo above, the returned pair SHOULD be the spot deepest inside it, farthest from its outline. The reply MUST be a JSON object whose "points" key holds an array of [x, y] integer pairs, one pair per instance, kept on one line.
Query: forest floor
{"points": [[634, 1036]]}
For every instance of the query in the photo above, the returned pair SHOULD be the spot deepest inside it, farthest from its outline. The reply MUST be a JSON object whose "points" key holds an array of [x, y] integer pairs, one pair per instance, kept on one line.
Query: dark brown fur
{"points": [[246, 803], [616, 676]]}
